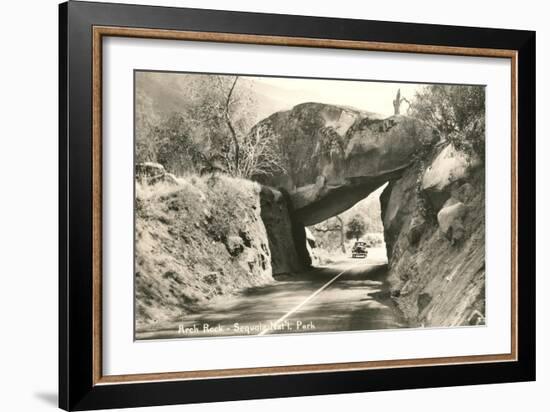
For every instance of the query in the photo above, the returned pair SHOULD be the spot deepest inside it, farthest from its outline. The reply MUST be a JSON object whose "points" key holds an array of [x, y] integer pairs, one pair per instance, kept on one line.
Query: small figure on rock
{"points": [[397, 103]]}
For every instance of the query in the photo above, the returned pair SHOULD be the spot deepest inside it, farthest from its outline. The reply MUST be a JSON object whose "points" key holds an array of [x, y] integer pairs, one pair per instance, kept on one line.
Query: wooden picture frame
{"points": [[83, 26]]}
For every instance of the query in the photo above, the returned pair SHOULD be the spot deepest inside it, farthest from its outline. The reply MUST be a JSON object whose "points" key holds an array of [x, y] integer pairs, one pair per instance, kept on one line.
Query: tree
{"points": [[213, 126], [356, 227], [227, 109], [455, 113], [341, 227], [259, 153], [255, 149], [175, 148], [146, 120], [227, 118], [219, 111]]}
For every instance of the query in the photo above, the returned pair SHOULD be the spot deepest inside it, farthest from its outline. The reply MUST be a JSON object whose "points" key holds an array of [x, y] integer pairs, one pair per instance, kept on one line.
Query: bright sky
{"points": [[284, 93]]}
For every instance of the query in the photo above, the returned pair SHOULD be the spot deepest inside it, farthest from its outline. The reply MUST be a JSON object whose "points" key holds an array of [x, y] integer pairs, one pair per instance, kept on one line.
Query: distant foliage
{"points": [[355, 227], [213, 131], [369, 211], [455, 113], [171, 144]]}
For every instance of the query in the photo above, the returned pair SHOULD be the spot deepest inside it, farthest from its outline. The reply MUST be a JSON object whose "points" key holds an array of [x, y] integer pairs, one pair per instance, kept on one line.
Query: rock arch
{"points": [[335, 156]]}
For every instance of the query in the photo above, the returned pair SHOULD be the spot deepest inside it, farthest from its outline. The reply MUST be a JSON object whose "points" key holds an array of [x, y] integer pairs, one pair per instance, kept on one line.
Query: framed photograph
{"points": [[256, 205]]}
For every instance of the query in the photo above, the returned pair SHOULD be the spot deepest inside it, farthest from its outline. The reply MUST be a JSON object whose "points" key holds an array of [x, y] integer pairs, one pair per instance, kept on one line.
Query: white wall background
{"points": [[28, 203]]}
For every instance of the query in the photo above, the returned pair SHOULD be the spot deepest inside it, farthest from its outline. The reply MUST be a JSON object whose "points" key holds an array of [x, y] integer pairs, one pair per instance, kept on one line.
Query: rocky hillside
{"points": [[434, 224], [197, 238]]}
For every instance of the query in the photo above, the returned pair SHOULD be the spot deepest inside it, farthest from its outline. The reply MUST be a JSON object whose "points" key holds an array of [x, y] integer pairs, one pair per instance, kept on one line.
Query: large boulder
{"points": [[450, 219], [149, 170], [336, 156], [449, 166], [152, 173]]}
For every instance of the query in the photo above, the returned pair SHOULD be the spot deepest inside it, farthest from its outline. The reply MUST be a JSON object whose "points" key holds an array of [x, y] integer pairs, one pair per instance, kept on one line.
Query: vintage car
{"points": [[359, 250]]}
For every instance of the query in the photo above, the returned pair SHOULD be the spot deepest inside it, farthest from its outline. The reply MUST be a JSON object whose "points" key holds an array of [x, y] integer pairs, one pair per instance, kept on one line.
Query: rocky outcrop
{"points": [[434, 228], [448, 167], [152, 173], [336, 156], [286, 238], [450, 219]]}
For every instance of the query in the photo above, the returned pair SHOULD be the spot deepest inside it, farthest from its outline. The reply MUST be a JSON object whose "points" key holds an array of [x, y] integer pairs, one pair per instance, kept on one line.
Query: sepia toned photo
{"points": [[279, 205]]}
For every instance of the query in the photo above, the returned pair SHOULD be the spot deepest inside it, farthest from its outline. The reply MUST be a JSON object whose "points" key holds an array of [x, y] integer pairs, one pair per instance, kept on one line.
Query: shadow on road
{"points": [[357, 300], [375, 272]]}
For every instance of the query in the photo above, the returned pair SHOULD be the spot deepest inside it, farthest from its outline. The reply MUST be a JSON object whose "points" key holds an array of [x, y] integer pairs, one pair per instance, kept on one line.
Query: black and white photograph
{"points": [[284, 205], [247, 206]]}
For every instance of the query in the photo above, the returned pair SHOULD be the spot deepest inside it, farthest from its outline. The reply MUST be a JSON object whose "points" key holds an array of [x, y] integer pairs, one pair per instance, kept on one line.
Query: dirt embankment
{"points": [[203, 237], [434, 223]]}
